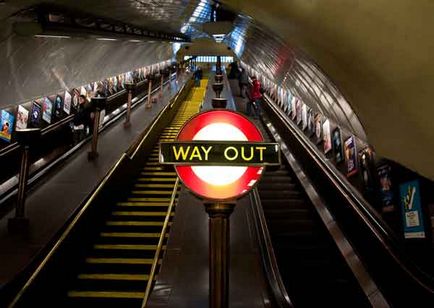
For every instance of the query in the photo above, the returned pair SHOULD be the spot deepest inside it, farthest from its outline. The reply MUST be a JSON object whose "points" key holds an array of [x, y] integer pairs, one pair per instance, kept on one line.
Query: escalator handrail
{"points": [[46, 130], [360, 206], [135, 147], [269, 261], [152, 274], [68, 229]]}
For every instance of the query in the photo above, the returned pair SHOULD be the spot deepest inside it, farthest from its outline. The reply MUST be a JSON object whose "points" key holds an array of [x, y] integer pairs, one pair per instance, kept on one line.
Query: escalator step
{"points": [[134, 223], [144, 204], [119, 261], [131, 234]]}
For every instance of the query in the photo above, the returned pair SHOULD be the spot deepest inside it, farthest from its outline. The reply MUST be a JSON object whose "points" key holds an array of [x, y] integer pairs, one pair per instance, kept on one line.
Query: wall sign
{"points": [[219, 154], [350, 155]]}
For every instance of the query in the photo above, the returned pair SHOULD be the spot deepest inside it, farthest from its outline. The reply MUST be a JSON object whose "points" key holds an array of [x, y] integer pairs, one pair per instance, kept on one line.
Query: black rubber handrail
{"points": [[132, 150], [360, 207], [269, 262]]}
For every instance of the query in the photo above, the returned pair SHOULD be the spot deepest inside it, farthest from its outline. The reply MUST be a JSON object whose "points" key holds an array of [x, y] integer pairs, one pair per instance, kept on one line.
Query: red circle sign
{"points": [[219, 182]]}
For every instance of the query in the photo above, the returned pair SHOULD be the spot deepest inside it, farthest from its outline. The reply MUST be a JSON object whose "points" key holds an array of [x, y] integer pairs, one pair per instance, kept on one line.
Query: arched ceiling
{"points": [[379, 54]]}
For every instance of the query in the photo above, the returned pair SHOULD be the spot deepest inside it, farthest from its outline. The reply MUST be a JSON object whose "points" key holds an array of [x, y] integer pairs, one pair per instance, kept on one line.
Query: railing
{"points": [[269, 262], [66, 232], [381, 232], [134, 148], [160, 245]]}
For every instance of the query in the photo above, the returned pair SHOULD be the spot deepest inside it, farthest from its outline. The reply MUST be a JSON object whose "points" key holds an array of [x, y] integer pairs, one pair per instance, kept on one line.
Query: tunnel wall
{"points": [[34, 67]]}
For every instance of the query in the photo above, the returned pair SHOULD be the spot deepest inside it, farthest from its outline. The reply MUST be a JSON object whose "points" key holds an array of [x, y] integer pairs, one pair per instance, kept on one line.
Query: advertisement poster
{"points": [[337, 145], [367, 160], [310, 122], [35, 117], [299, 107], [22, 118], [47, 110], [75, 98], [58, 106], [7, 125], [67, 103], [294, 108], [350, 155], [386, 192], [327, 139], [409, 193], [318, 128], [304, 116], [288, 106]]}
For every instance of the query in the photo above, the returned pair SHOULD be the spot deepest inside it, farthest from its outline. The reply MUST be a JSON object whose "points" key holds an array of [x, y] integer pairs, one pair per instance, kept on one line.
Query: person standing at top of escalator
{"points": [[255, 98], [198, 76]]}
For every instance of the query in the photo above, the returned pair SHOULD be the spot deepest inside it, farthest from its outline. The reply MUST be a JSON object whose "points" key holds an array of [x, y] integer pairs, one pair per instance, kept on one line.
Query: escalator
{"points": [[312, 269], [113, 256]]}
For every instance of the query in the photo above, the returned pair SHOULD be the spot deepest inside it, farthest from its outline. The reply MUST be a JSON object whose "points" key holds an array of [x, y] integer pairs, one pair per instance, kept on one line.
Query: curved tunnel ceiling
{"points": [[379, 54]]}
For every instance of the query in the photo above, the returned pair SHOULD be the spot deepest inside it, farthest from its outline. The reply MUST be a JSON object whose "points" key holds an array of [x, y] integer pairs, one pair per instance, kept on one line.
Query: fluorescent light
{"points": [[106, 39], [135, 41], [52, 36], [219, 37]]}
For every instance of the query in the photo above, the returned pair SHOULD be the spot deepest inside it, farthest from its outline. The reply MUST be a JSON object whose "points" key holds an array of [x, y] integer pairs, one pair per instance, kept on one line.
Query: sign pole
{"points": [[219, 254]]}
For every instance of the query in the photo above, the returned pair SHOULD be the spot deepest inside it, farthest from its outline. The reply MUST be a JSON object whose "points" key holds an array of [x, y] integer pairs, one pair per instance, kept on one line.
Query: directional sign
{"points": [[219, 154]]}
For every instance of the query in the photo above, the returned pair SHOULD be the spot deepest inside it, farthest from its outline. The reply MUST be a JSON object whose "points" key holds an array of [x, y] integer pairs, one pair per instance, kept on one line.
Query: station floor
{"points": [[51, 202]]}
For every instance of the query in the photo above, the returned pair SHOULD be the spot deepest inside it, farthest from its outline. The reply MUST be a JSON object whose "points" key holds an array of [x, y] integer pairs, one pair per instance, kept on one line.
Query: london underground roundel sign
{"points": [[219, 154]]}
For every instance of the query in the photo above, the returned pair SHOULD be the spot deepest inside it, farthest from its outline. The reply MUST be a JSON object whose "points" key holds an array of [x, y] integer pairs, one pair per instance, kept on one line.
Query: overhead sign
{"points": [[219, 154]]}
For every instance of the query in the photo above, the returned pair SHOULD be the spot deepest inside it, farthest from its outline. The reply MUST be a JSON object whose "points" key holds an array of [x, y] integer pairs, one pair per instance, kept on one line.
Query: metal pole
{"points": [[22, 184], [130, 87], [93, 152], [161, 85], [149, 104], [219, 253]]}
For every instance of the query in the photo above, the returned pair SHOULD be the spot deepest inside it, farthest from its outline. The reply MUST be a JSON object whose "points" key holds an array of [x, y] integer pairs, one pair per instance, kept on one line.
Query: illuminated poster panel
{"points": [[337, 145], [22, 118], [350, 155], [326, 136], [7, 125], [411, 210], [47, 110]]}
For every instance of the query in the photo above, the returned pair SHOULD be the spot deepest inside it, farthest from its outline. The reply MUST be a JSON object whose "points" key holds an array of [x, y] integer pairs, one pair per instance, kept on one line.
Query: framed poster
{"points": [[7, 125], [411, 205], [35, 116], [366, 159], [318, 127], [350, 155], [67, 102], [304, 117], [22, 118], [327, 139], [47, 110], [294, 108], [299, 107], [75, 98], [386, 191], [338, 150], [310, 122], [58, 105], [288, 106]]}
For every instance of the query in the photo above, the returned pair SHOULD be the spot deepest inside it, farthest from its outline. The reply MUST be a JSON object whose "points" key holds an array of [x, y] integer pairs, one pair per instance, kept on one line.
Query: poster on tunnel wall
{"points": [[67, 102], [35, 115], [7, 125], [294, 109], [47, 110], [304, 116], [22, 118], [386, 191], [411, 210], [327, 140], [350, 153]]}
